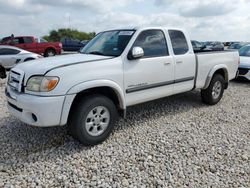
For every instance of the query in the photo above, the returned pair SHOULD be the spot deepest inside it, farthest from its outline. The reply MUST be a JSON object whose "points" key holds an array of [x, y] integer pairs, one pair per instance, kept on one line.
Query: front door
{"points": [[151, 76]]}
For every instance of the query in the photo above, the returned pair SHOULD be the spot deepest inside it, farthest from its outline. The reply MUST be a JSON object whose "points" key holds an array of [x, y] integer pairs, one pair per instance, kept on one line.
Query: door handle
{"points": [[167, 63], [179, 61]]}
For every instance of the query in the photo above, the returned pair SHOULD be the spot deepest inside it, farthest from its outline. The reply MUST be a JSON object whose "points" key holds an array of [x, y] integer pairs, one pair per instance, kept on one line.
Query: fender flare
{"points": [[100, 83], [48, 48], [213, 70]]}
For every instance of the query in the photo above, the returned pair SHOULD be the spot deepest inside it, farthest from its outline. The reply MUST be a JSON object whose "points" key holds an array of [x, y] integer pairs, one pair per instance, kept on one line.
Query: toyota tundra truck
{"points": [[115, 70]]}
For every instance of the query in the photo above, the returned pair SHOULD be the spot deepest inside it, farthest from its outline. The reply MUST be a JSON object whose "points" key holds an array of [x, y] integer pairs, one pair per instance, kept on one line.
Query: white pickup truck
{"points": [[116, 69]]}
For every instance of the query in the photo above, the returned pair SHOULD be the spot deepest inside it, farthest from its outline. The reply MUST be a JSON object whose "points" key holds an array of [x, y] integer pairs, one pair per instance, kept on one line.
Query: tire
{"points": [[2, 72], [49, 53], [213, 94], [92, 119]]}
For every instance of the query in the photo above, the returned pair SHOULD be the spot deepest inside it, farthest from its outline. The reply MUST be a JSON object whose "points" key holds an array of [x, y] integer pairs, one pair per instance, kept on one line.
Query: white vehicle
{"points": [[244, 67], [116, 69], [10, 56]]}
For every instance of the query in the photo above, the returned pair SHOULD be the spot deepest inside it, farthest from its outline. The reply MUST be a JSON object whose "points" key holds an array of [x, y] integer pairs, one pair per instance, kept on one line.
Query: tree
{"points": [[57, 35]]}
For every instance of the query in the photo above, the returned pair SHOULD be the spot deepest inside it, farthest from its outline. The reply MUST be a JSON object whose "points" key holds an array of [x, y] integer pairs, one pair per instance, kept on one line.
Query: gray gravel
{"points": [[171, 142]]}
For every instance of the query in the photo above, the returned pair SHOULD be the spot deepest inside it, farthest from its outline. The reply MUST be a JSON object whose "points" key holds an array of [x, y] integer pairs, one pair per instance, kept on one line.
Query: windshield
{"points": [[109, 43], [245, 51]]}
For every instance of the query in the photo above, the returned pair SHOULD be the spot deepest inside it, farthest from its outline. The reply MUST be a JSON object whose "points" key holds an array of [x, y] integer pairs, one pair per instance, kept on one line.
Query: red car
{"points": [[29, 43]]}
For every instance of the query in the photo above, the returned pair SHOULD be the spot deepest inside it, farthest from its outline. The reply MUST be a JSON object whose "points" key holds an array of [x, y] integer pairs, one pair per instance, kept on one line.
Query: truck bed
{"points": [[205, 60]]}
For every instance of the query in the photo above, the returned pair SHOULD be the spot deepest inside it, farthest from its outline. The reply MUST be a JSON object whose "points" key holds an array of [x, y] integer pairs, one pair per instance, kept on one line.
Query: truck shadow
{"points": [[26, 141], [242, 81], [168, 106]]}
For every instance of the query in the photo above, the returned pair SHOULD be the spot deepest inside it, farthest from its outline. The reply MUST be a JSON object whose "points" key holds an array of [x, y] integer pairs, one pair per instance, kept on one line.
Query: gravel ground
{"points": [[171, 142]]}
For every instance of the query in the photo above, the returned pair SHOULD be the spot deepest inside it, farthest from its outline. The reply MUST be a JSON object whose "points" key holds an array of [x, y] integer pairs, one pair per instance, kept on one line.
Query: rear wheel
{"points": [[49, 53], [92, 119], [213, 94]]}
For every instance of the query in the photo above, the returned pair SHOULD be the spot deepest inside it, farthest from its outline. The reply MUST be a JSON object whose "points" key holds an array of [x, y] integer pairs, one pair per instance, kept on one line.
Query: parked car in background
{"points": [[244, 66], [10, 56], [226, 44], [237, 46], [216, 46], [30, 43], [115, 70], [197, 46], [72, 44]]}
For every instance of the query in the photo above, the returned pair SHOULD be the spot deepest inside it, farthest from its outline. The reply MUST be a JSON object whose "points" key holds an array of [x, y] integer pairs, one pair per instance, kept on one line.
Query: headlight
{"points": [[42, 83]]}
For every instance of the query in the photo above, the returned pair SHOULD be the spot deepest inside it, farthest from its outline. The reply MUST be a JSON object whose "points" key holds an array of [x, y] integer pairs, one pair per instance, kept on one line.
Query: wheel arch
{"points": [[107, 88], [29, 59], [218, 69], [49, 48]]}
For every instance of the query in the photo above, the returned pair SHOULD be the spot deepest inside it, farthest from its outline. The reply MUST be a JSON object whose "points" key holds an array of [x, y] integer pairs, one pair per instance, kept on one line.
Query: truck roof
{"points": [[147, 27]]}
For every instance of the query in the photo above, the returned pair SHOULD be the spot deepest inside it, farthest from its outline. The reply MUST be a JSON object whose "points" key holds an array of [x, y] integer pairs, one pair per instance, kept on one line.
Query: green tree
{"points": [[57, 35]]}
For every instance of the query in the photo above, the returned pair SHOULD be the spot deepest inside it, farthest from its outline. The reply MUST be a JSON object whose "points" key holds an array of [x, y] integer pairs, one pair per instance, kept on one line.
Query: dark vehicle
{"points": [[237, 46], [215, 46], [197, 46], [72, 44]]}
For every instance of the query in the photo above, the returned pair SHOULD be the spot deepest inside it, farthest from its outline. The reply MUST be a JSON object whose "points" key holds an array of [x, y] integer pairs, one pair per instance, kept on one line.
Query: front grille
{"points": [[243, 71], [15, 80]]}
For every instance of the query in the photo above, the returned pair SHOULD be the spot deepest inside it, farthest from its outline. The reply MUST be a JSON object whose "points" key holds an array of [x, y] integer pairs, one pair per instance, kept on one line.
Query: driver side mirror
{"points": [[136, 53]]}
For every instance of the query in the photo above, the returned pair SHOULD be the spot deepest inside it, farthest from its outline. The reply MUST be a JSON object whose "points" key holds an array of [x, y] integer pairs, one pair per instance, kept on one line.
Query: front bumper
{"points": [[35, 110], [244, 72]]}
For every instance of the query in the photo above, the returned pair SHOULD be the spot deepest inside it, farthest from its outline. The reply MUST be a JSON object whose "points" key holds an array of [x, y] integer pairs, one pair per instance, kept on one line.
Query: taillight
{"points": [[60, 45]]}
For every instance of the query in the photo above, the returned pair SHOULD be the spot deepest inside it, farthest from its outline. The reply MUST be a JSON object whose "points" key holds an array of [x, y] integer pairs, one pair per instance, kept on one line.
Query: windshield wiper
{"points": [[96, 53]]}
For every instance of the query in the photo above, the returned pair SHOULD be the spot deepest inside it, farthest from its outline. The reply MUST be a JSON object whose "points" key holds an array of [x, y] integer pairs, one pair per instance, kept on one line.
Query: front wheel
{"points": [[213, 94], [92, 119]]}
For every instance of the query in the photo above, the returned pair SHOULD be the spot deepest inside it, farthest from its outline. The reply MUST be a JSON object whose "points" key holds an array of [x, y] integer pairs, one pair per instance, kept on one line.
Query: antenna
{"points": [[69, 22]]}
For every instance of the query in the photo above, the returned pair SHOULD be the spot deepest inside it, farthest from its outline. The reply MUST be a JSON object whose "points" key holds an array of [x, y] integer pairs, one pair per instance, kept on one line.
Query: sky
{"points": [[222, 20]]}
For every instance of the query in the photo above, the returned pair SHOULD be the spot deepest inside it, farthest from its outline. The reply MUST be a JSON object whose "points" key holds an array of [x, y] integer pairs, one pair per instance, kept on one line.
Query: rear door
{"points": [[185, 63], [151, 76]]}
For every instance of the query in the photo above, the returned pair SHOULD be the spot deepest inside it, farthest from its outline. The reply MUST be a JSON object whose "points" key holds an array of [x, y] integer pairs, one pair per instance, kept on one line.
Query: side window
{"points": [[14, 41], [153, 43], [27, 40], [179, 42], [7, 51], [18, 41]]}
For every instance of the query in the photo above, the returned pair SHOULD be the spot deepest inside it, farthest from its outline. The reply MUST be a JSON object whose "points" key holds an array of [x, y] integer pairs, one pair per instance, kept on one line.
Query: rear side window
{"points": [[7, 51], [179, 42], [153, 43]]}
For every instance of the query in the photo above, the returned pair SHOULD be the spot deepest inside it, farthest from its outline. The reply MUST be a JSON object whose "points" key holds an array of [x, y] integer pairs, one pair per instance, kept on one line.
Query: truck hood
{"points": [[244, 62], [43, 65]]}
